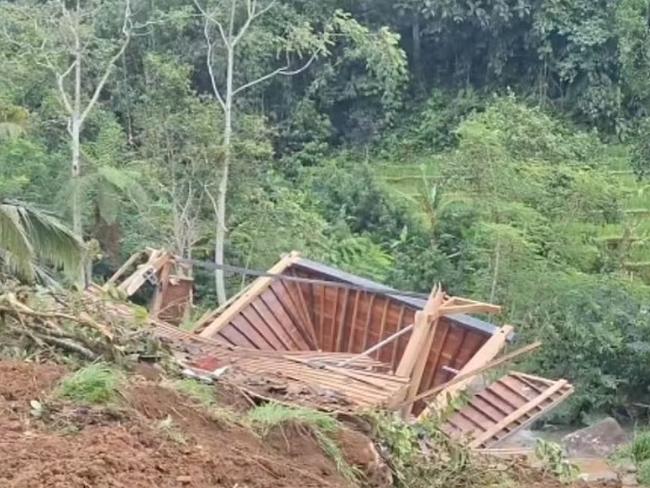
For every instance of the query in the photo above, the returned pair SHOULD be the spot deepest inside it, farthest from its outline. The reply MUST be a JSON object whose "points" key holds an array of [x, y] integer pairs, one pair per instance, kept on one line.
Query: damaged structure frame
{"points": [[337, 341]]}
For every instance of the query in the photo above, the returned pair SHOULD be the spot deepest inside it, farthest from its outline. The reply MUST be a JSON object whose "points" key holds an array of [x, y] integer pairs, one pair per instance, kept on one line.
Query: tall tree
{"points": [[67, 39], [227, 33]]}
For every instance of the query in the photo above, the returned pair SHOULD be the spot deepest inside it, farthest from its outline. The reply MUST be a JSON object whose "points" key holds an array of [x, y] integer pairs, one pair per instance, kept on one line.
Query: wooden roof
{"points": [[338, 275]]}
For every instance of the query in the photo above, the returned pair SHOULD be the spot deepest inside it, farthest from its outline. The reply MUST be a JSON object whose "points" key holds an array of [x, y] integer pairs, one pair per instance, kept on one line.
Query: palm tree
{"points": [[29, 237]]}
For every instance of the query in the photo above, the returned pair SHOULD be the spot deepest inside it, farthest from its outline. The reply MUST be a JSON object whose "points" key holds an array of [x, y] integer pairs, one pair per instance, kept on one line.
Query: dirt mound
{"points": [[163, 441], [27, 381]]}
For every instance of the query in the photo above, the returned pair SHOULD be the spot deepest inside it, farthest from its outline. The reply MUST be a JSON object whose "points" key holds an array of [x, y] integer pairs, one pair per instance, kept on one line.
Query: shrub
{"points": [[94, 384]]}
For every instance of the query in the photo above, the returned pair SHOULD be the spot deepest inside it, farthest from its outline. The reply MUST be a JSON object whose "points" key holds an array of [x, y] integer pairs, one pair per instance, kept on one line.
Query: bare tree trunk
{"points": [[495, 273], [417, 50], [75, 133], [223, 184], [76, 177]]}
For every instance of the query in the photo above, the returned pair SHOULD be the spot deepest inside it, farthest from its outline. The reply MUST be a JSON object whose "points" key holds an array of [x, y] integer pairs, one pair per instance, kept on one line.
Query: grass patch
{"points": [[638, 453], [200, 392], [323, 426], [95, 384]]}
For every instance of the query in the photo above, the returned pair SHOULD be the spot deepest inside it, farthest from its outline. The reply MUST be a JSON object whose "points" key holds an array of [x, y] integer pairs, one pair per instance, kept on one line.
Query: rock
{"points": [[629, 480], [597, 471], [628, 467], [601, 439]]}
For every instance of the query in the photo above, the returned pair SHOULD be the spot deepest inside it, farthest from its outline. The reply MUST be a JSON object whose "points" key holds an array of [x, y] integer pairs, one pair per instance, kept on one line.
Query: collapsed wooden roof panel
{"points": [[286, 315], [362, 386], [506, 406]]}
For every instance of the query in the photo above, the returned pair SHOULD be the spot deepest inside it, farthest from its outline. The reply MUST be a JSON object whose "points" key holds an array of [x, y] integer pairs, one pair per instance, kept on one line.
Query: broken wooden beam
{"points": [[483, 356]]}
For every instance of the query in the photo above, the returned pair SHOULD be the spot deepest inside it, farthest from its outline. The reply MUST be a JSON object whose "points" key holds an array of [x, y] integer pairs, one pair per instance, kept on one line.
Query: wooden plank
{"points": [[382, 326], [423, 323], [400, 322], [418, 371], [163, 284], [436, 359], [341, 330], [492, 431], [309, 324], [487, 353], [353, 322], [244, 299], [283, 303], [286, 318], [299, 324], [321, 343], [133, 283], [122, 269], [470, 309], [210, 315], [493, 364], [376, 347], [276, 329], [333, 330], [368, 319]]}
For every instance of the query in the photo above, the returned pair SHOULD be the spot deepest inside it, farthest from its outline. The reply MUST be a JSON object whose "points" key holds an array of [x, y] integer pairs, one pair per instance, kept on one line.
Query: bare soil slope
{"points": [[80, 449]]}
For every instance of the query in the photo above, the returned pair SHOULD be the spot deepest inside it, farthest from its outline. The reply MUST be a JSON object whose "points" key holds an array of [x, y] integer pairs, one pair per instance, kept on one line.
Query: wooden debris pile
{"points": [[87, 325], [310, 334]]}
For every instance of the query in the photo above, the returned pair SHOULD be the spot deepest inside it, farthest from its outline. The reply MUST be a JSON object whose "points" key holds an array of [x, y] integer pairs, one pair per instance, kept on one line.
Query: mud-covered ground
{"points": [[81, 447], [157, 438]]}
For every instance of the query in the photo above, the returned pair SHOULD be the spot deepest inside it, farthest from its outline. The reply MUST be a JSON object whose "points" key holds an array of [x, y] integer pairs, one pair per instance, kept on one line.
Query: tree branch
{"points": [[126, 30], [284, 71], [213, 80], [212, 18], [253, 13], [60, 78]]}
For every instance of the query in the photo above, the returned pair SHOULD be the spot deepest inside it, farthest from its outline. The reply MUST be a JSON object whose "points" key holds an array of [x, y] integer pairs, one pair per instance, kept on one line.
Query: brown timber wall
{"points": [[290, 316]]}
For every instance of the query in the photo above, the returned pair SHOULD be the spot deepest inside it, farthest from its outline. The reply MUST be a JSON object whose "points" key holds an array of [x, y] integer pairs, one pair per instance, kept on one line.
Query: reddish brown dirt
{"points": [[81, 447], [27, 381], [134, 450]]}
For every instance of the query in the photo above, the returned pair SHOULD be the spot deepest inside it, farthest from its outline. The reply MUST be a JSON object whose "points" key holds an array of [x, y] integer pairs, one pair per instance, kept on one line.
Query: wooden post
{"points": [[417, 349], [163, 284], [483, 356]]}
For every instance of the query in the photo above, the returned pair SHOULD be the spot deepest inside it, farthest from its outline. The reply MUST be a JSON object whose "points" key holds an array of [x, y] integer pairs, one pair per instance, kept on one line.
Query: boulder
{"points": [[601, 439]]}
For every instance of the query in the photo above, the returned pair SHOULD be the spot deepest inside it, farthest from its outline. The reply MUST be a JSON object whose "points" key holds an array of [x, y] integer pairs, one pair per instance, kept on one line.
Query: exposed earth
{"points": [[71, 446]]}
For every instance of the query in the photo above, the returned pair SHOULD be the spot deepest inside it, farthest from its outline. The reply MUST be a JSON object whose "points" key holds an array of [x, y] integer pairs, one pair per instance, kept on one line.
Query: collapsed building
{"points": [[307, 333]]}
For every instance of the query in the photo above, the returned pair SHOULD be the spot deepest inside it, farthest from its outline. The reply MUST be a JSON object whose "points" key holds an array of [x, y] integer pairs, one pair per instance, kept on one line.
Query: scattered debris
{"points": [[310, 334]]}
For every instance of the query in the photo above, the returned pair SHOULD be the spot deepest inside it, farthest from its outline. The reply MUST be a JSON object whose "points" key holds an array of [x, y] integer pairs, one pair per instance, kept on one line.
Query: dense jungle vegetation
{"points": [[498, 146]]}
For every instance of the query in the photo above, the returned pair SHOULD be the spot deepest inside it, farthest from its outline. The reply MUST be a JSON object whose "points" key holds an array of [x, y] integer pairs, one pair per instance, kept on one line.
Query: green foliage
{"points": [[269, 415], [553, 460], [643, 474], [446, 463], [640, 157], [638, 450], [29, 235], [272, 415], [97, 383]]}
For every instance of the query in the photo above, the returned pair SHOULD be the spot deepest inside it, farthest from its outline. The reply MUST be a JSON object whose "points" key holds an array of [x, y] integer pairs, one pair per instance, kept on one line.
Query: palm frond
{"points": [[48, 238], [18, 251], [17, 267], [123, 181]]}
